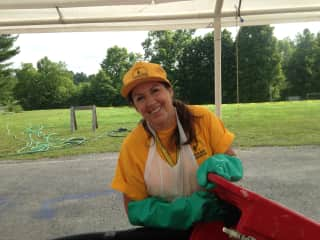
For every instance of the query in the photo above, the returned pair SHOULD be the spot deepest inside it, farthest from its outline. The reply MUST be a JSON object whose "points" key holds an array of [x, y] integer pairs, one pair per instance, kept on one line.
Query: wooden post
{"points": [[94, 118], [73, 119]]}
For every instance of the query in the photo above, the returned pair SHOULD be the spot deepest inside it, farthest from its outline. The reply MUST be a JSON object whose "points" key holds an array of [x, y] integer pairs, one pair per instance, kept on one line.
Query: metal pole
{"points": [[217, 57]]}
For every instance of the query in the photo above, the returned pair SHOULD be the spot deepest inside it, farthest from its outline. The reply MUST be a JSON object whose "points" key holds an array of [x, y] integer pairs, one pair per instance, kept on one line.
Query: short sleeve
{"points": [[129, 173], [220, 138]]}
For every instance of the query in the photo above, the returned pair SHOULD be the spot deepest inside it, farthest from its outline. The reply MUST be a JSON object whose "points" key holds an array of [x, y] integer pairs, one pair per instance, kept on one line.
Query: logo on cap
{"points": [[140, 72]]}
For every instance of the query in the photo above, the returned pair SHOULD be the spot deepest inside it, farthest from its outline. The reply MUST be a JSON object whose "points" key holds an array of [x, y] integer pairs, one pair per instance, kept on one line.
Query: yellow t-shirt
{"points": [[212, 137]]}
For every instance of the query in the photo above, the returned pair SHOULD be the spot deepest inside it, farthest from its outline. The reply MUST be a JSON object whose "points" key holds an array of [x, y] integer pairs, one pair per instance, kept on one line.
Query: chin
{"points": [[158, 124]]}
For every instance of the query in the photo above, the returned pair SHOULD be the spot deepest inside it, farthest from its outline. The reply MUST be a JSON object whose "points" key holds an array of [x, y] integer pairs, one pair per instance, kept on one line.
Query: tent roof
{"points": [[26, 16]]}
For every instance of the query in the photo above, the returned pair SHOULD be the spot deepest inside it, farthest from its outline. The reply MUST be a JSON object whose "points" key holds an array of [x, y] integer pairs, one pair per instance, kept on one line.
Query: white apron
{"points": [[168, 182]]}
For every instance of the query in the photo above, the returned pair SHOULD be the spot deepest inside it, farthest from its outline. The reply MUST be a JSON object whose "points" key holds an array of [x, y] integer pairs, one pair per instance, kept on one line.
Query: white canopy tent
{"points": [[35, 16], [26, 16]]}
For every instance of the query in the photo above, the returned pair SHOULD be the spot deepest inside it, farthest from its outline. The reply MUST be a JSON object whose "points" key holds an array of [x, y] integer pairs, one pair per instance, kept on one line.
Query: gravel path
{"points": [[70, 195]]}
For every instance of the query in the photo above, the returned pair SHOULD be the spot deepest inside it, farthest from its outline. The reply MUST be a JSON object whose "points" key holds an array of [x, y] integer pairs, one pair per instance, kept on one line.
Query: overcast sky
{"points": [[83, 52]]}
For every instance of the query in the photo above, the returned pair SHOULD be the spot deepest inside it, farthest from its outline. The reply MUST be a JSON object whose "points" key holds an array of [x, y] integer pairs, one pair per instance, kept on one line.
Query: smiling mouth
{"points": [[155, 110]]}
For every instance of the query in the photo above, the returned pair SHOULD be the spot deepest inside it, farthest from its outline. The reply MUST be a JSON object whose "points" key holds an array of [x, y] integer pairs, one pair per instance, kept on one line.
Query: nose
{"points": [[150, 100]]}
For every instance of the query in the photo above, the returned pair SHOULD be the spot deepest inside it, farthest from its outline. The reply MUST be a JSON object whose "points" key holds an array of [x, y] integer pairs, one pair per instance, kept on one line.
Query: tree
{"points": [[302, 64], [316, 69], [85, 95], [228, 68], [80, 78], [26, 90], [57, 83], [7, 79], [286, 48], [48, 86], [166, 48], [115, 65], [196, 70], [104, 92], [260, 75]]}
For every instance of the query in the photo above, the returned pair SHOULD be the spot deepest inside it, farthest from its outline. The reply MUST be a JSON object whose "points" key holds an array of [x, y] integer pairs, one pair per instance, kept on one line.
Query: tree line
{"points": [[256, 67]]}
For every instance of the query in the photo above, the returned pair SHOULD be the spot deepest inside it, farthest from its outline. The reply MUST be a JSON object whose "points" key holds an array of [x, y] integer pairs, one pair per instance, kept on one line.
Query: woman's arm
{"points": [[126, 201], [230, 152], [181, 213]]}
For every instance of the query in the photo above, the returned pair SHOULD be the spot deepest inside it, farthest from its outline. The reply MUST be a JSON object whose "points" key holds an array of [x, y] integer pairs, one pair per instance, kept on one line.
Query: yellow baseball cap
{"points": [[142, 72]]}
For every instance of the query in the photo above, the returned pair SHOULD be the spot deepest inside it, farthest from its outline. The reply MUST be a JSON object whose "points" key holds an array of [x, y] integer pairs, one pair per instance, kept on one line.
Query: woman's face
{"points": [[154, 102]]}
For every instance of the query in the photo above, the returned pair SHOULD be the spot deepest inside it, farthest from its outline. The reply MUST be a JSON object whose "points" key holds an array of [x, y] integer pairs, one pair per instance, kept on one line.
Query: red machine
{"points": [[261, 218]]}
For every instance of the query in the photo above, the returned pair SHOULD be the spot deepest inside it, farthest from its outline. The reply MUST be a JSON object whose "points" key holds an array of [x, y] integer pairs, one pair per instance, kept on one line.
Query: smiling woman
{"points": [[163, 163]]}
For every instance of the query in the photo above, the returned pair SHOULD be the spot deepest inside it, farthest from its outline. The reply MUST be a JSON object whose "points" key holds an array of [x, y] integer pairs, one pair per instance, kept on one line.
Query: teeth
{"points": [[155, 110]]}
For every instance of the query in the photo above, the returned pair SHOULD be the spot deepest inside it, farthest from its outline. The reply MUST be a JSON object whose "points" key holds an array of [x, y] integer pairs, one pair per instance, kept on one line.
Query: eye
{"points": [[155, 89], [138, 98]]}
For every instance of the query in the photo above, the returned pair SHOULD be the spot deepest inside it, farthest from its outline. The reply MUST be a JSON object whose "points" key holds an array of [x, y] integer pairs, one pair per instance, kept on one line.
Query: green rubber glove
{"points": [[181, 213], [224, 165]]}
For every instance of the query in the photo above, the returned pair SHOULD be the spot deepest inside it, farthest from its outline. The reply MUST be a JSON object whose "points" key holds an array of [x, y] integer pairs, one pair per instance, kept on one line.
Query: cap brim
{"points": [[128, 88]]}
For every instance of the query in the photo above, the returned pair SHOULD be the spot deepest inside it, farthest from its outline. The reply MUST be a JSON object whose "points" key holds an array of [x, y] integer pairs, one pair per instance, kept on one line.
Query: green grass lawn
{"points": [[24, 135]]}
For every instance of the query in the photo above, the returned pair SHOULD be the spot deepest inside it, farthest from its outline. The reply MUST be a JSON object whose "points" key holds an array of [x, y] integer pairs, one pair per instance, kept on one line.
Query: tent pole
{"points": [[217, 56]]}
